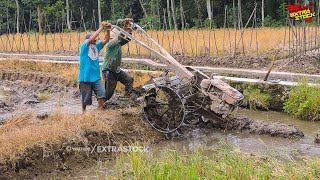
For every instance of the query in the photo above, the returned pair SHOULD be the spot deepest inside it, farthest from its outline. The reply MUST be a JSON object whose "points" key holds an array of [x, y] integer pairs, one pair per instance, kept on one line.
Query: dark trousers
{"points": [[111, 80]]}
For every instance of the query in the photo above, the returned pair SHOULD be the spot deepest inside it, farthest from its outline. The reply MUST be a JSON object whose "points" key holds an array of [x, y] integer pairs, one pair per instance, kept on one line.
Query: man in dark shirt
{"points": [[112, 73]]}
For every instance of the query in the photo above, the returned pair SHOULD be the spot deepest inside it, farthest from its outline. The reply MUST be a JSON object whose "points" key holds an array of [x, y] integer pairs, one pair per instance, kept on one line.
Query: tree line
{"points": [[69, 15]]}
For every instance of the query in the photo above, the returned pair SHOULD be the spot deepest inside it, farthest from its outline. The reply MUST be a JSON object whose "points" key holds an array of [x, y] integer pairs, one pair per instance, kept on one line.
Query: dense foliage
{"points": [[256, 99], [51, 15], [304, 102]]}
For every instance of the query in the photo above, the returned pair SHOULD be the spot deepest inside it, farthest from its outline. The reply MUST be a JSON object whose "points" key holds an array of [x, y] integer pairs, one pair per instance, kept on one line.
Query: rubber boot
{"points": [[100, 104]]}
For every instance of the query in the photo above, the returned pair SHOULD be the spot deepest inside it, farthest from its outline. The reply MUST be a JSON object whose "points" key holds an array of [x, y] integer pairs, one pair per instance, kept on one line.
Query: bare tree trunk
{"points": [[99, 11], [158, 14], [18, 16], [82, 20], [199, 11], [144, 10], [165, 26], [39, 18], [239, 14], [317, 26], [68, 17], [174, 15], [262, 13], [234, 14], [304, 31], [209, 9], [112, 8], [181, 14], [169, 14]]}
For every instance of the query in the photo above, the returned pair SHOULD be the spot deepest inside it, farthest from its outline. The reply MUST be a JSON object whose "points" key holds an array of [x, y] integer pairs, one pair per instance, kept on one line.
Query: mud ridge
{"points": [[246, 124], [317, 138], [40, 78]]}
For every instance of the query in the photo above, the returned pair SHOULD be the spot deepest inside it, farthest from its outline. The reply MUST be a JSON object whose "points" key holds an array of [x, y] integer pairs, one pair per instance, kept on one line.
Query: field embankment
{"points": [[24, 139]]}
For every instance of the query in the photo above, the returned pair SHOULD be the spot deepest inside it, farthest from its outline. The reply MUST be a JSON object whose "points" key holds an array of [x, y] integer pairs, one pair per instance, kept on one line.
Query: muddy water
{"points": [[252, 143], [71, 105]]}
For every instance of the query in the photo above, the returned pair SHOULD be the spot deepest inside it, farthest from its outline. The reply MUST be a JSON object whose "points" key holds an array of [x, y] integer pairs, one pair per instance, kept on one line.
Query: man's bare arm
{"points": [[96, 34], [107, 36]]}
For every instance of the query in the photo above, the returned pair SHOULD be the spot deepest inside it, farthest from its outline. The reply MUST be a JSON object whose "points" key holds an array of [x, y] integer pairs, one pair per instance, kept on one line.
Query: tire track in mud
{"points": [[39, 78], [21, 90]]}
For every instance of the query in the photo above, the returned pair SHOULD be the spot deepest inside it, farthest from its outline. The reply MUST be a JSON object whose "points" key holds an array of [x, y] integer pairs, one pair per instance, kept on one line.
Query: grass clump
{"points": [[304, 102], [256, 99], [222, 163], [43, 96]]}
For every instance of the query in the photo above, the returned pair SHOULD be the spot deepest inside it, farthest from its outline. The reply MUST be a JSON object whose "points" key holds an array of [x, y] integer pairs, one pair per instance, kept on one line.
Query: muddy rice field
{"points": [[33, 100]]}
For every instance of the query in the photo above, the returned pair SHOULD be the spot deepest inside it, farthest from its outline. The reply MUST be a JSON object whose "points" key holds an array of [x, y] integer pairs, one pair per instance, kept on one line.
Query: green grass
{"points": [[256, 99], [304, 102], [223, 163], [43, 96], [4, 92]]}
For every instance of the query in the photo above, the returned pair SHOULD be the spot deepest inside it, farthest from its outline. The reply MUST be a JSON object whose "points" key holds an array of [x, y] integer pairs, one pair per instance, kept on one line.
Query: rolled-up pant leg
{"points": [[86, 93], [111, 80], [126, 80]]}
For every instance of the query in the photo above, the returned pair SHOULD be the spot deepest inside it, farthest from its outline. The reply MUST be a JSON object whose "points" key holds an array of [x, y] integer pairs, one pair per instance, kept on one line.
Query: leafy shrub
{"points": [[150, 22], [304, 102], [256, 99], [197, 23], [270, 22], [209, 23]]}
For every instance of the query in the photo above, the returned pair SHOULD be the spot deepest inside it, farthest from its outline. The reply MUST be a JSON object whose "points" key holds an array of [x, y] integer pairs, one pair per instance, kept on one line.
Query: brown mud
{"points": [[245, 124], [308, 63], [35, 77], [19, 90], [317, 138]]}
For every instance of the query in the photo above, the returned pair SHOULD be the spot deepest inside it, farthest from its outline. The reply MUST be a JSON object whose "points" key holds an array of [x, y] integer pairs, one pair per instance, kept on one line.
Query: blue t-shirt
{"points": [[89, 62]]}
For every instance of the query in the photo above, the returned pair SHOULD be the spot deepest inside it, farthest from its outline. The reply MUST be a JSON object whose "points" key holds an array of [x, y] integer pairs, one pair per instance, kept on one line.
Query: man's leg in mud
{"points": [[127, 81], [111, 80], [100, 93], [86, 94]]}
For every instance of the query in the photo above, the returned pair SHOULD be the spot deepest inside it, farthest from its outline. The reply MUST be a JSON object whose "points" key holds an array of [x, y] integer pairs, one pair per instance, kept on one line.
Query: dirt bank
{"points": [[317, 138], [308, 63], [246, 124], [31, 147]]}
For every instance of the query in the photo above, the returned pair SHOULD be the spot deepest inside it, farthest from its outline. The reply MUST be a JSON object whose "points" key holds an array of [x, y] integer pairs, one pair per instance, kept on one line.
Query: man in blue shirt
{"points": [[89, 73]]}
